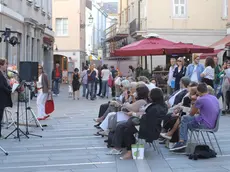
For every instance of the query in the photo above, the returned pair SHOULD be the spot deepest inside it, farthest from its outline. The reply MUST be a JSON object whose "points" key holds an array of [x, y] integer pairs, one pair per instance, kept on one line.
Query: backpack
{"points": [[202, 152]]}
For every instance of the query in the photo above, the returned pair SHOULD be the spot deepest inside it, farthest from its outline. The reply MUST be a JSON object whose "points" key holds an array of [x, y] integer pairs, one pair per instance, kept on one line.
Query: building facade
{"points": [[69, 25], [189, 21], [96, 24], [30, 21]]}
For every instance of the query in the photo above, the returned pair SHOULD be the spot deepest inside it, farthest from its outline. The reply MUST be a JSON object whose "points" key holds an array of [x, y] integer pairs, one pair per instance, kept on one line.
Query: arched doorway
{"points": [[62, 60]]}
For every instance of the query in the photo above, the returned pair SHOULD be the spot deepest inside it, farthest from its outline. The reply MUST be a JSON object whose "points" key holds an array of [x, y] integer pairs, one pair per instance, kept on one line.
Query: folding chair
{"points": [[208, 131]]}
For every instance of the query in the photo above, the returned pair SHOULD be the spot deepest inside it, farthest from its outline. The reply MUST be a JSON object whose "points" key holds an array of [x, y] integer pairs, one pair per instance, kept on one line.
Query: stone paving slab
{"points": [[68, 145]]}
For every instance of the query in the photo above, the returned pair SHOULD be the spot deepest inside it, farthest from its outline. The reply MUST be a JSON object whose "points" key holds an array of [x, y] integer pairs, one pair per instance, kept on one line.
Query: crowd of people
{"points": [[192, 103]]}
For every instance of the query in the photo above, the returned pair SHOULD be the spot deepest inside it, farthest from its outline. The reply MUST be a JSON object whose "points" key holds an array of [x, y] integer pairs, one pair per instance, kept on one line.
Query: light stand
{"points": [[4, 151], [17, 129], [28, 108]]}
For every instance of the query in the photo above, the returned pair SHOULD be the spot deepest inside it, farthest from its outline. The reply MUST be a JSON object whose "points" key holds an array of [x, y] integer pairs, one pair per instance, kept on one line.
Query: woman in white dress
{"points": [[43, 90]]}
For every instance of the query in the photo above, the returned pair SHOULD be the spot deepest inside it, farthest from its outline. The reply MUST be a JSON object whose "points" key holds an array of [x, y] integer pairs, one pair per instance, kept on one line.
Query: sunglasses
{"points": [[179, 61]]}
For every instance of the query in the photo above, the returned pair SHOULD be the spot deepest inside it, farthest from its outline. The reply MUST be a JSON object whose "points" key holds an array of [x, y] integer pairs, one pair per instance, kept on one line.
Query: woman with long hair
{"points": [[179, 72], [76, 83], [43, 90], [5, 90], [208, 75]]}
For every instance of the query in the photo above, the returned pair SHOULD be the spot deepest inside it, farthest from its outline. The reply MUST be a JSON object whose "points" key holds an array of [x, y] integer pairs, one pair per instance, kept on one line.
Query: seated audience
{"points": [[203, 115], [127, 109], [178, 95]]}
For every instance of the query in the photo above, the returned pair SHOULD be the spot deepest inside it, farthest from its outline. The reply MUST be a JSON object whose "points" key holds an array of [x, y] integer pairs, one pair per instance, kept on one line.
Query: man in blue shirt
{"points": [[195, 69], [91, 83]]}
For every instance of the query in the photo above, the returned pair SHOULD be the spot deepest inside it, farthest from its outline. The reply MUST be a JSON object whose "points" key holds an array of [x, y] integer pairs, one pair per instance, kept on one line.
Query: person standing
{"points": [[208, 75], [84, 80], [76, 83], [195, 69], [114, 74], [5, 90], [105, 74], [91, 83], [43, 90], [217, 72], [99, 79], [56, 78], [171, 79], [131, 72], [226, 89], [179, 72], [139, 69]]}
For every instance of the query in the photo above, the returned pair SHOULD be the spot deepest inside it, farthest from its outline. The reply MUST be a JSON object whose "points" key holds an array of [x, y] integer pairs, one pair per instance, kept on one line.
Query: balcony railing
{"points": [[116, 29], [134, 25]]}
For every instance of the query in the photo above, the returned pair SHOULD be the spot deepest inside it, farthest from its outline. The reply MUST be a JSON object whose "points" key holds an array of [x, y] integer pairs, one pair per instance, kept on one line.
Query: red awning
{"points": [[145, 47], [205, 55], [192, 48], [221, 43], [158, 46]]}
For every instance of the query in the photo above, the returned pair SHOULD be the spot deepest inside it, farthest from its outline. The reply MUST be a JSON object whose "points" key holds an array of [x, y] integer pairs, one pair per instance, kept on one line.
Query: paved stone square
{"points": [[68, 145]]}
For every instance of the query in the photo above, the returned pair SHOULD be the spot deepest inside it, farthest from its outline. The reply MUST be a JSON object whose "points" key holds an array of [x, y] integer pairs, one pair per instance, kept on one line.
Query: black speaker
{"points": [[28, 71]]}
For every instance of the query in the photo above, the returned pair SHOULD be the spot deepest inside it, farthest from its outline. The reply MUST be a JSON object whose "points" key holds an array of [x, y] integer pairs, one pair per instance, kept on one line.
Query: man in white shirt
{"points": [[97, 79], [170, 76]]}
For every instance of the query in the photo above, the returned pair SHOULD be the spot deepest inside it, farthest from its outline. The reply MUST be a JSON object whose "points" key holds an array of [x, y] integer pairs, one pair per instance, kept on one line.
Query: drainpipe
{"points": [[139, 15]]}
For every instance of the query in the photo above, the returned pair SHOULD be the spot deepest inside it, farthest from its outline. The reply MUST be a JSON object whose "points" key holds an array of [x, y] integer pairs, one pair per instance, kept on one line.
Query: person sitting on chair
{"points": [[208, 108]]}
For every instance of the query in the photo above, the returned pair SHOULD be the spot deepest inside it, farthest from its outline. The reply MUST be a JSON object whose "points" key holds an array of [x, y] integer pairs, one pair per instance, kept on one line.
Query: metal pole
{"points": [[139, 15]]}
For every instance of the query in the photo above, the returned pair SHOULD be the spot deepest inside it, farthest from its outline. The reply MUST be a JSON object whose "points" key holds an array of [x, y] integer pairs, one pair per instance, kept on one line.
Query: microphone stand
{"points": [[17, 129]]}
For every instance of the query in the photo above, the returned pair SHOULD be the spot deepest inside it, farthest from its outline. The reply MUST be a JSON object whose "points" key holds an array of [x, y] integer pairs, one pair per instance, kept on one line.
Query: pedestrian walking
{"points": [[105, 74], [56, 78], [76, 83], [84, 80], [91, 83]]}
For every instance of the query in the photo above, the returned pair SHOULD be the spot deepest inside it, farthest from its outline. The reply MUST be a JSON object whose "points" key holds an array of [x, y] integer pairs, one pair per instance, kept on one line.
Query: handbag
{"points": [[49, 105], [110, 81]]}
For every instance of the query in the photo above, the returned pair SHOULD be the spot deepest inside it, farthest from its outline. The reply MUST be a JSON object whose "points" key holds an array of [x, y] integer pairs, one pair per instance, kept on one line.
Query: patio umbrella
{"points": [[205, 55], [192, 48], [145, 47], [159, 46]]}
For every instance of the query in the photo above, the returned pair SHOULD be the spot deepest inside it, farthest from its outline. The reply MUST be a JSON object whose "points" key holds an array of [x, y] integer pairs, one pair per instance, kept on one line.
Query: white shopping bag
{"points": [[70, 89], [138, 151]]}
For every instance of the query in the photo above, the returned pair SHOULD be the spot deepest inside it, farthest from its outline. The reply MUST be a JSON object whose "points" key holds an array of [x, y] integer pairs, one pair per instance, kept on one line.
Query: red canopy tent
{"points": [[159, 46], [205, 55]]}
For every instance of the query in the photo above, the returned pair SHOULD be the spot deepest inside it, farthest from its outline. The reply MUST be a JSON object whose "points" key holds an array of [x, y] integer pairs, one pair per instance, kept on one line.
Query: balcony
{"points": [[137, 29], [116, 32]]}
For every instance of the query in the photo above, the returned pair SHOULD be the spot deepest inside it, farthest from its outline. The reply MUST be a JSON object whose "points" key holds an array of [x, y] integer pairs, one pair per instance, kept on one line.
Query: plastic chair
{"points": [[207, 131]]}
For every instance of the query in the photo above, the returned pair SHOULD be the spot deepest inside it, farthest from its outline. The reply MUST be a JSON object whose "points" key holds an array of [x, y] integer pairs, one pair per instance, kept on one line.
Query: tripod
{"points": [[28, 108], [17, 129]]}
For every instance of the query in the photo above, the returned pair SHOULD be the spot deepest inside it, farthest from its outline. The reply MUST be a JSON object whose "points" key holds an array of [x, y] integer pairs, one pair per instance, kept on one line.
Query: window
{"points": [[179, 8], [225, 9], [61, 26]]}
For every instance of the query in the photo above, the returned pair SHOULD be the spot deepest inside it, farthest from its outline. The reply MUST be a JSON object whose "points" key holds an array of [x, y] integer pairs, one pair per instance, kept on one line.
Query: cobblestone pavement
{"points": [[68, 145]]}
